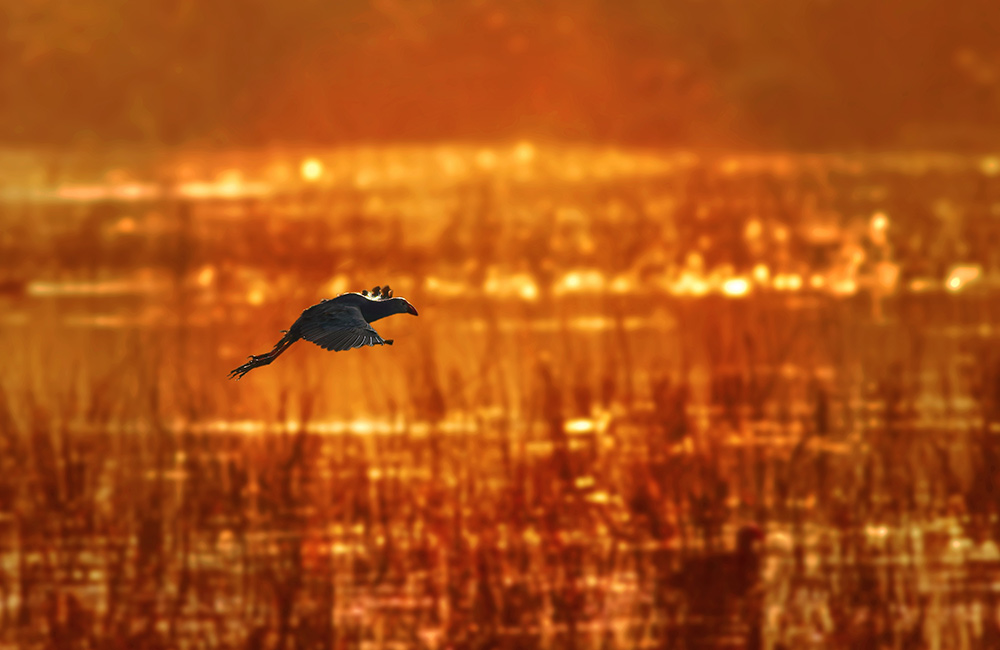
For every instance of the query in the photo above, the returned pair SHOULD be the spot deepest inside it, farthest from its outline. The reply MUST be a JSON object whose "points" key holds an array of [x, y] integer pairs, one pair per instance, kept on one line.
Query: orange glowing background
{"points": [[692, 73], [708, 353]]}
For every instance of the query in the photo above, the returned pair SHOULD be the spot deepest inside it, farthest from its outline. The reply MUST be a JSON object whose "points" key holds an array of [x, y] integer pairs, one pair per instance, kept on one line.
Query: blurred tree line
{"points": [[783, 73]]}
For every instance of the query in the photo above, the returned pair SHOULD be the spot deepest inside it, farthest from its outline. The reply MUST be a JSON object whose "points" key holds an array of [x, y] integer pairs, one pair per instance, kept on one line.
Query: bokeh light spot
{"points": [[960, 276], [312, 169], [736, 287]]}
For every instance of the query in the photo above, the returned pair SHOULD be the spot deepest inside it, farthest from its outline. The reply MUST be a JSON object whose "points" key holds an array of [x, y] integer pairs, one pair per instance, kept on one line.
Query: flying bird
{"points": [[339, 323]]}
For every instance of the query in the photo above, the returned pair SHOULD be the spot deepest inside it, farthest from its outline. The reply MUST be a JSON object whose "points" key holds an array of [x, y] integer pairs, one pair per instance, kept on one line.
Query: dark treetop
{"points": [[337, 324]]}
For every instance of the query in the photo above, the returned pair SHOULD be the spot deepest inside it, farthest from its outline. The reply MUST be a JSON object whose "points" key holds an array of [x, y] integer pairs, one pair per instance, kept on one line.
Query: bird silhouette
{"points": [[339, 323]]}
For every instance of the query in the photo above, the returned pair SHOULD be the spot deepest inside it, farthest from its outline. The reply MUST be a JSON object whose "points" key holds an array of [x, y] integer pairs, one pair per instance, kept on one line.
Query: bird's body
{"points": [[339, 323]]}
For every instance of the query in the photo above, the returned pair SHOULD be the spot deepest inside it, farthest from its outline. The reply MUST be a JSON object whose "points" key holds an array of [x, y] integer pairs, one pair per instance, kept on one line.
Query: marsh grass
{"points": [[513, 473]]}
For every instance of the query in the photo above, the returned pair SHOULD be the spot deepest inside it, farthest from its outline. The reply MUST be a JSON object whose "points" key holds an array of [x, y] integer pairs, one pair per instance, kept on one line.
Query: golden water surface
{"points": [[622, 358]]}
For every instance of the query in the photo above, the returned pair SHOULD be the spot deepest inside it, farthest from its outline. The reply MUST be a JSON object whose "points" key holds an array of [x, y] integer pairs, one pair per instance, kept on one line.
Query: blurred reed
{"points": [[532, 464]]}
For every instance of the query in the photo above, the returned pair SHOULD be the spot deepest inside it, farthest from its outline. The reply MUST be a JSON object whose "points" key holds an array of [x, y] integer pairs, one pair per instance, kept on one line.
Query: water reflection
{"points": [[628, 361]]}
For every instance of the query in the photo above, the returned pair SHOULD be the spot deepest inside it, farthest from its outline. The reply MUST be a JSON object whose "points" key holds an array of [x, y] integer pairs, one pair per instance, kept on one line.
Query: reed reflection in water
{"points": [[623, 363]]}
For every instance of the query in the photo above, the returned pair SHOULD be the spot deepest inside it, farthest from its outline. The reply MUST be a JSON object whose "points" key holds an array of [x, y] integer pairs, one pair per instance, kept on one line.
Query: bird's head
{"points": [[410, 309], [388, 304], [400, 306]]}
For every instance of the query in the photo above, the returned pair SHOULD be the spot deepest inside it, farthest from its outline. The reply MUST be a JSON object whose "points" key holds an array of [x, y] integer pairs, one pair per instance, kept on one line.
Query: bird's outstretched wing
{"points": [[339, 329]]}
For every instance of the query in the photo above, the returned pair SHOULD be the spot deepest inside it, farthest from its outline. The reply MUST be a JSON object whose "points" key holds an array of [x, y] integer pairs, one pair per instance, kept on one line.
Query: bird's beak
{"points": [[412, 310]]}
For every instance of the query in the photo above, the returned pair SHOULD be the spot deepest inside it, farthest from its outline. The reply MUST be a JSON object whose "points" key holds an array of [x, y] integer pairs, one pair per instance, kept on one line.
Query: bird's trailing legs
{"points": [[261, 360]]}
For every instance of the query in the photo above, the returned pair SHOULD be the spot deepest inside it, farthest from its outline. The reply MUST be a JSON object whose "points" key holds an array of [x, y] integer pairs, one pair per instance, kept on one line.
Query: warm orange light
{"points": [[520, 285], [878, 228], [311, 169], [528, 291], [587, 280], [788, 282], [440, 286], [599, 497], [524, 152], [363, 427], [82, 192], [877, 532], [126, 225], [736, 287], [206, 276], [580, 426], [690, 284], [887, 274], [761, 273], [486, 159], [230, 183], [225, 542], [621, 285], [962, 275], [844, 287], [336, 285]]}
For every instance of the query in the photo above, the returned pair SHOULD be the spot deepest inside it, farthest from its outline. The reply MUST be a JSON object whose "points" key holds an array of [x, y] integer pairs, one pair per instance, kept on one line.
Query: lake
{"points": [[624, 361]]}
